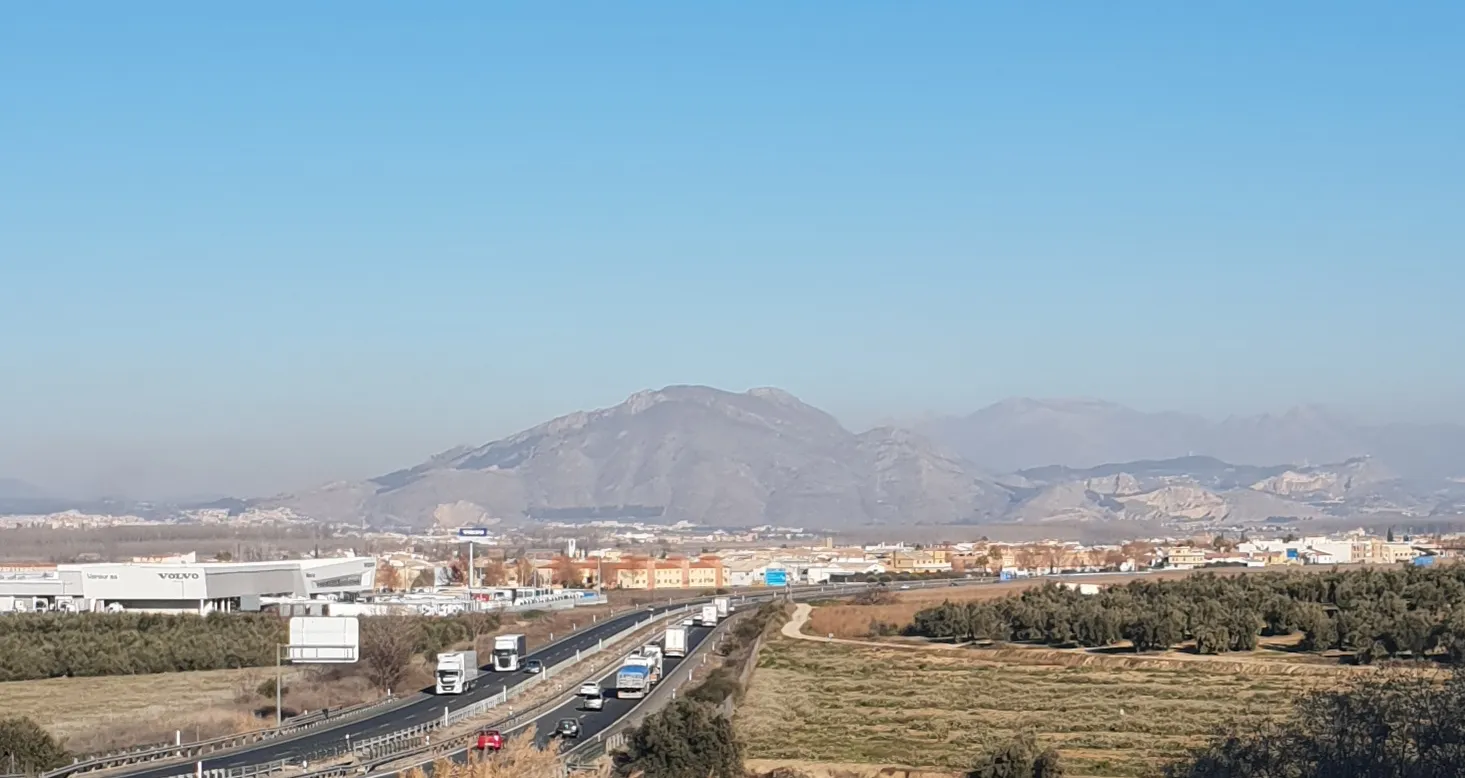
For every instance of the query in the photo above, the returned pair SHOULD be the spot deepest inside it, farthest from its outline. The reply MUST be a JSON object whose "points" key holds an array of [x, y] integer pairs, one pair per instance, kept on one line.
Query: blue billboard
{"points": [[775, 577], [472, 532]]}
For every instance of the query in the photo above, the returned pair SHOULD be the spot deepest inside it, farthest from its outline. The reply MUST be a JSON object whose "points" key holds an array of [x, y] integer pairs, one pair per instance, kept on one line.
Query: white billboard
{"points": [[324, 639]]}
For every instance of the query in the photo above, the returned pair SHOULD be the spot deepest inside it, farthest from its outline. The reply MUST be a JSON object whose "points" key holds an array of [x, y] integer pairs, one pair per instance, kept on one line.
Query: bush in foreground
{"points": [[27, 748], [687, 740], [1393, 725], [1019, 758]]}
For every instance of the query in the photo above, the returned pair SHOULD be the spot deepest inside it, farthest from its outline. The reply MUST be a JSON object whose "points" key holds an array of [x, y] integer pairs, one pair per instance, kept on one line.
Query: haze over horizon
{"points": [[253, 249]]}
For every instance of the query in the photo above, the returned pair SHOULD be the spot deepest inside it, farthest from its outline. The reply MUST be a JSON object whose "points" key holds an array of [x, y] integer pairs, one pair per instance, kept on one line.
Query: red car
{"points": [[489, 740]]}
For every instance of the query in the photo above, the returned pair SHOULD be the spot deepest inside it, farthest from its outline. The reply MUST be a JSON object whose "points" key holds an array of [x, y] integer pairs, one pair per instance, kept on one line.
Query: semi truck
{"points": [[675, 643], [709, 616], [653, 656], [457, 672], [508, 652], [633, 679], [724, 606]]}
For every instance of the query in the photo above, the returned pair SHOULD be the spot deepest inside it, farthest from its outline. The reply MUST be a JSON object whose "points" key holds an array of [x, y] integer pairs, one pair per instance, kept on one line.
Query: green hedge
{"points": [[51, 645]]}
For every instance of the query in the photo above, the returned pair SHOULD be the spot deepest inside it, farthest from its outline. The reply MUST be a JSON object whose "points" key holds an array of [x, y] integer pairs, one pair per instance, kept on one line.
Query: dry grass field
{"points": [[138, 708], [1109, 715]]}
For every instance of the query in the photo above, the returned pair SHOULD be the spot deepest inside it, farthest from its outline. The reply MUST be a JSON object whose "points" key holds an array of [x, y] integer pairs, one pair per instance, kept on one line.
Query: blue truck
{"points": [[633, 679]]}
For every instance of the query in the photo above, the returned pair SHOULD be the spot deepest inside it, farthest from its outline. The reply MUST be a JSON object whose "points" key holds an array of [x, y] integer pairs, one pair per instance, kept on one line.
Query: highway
{"points": [[591, 722], [421, 709]]}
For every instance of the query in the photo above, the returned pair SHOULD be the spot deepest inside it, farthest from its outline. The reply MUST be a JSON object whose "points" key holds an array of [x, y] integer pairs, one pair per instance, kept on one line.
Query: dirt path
{"points": [[794, 628]]}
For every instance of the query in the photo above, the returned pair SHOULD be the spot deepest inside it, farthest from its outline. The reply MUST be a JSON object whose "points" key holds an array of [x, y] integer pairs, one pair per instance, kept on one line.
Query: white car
{"points": [[593, 703], [589, 690], [689, 622]]}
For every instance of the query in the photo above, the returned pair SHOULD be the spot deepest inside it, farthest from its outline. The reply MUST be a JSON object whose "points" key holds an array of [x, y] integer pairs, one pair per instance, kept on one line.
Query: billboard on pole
{"points": [[324, 639], [473, 532], [775, 577]]}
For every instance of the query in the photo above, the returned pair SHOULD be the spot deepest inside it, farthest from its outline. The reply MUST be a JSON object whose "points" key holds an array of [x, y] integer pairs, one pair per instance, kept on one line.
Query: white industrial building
{"points": [[169, 587]]}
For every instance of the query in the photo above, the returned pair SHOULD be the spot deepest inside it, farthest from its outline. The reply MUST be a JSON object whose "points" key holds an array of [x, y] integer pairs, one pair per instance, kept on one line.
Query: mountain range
{"points": [[764, 457]]}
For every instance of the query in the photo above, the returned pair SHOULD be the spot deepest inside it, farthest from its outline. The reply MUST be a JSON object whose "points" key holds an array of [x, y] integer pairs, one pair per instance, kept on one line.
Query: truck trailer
{"points": [[457, 672], [508, 652], [709, 616], [724, 606], [675, 643], [632, 680]]}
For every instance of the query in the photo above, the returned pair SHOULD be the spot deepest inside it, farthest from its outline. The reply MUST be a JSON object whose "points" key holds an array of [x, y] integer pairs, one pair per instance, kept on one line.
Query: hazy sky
{"points": [[250, 248]]}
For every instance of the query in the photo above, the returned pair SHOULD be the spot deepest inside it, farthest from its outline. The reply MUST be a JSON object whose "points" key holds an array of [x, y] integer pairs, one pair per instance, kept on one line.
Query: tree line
{"points": [[52, 645], [1413, 612]]}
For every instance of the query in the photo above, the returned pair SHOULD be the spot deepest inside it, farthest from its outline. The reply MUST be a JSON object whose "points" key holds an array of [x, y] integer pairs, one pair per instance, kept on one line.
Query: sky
{"points": [[251, 248]]}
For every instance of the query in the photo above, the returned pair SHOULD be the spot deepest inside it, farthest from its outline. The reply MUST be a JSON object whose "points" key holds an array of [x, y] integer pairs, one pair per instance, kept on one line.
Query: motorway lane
{"points": [[427, 708], [593, 721]]}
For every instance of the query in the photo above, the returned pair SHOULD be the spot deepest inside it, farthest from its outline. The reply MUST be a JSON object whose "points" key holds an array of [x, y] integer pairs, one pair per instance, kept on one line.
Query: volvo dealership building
{"points": [[202, 588]]}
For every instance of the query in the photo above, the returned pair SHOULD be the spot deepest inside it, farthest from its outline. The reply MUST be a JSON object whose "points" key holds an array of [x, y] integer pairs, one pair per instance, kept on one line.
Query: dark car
{"points": [[567, 728], [534, 666]]}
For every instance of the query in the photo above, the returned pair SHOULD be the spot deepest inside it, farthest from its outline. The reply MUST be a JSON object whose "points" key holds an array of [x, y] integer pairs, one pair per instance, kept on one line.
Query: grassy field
{"points": [[138, 708], [1108, 715]]}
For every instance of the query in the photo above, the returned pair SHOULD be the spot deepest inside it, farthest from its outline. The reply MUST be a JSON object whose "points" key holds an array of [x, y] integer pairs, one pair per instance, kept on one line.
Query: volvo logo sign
{"points": [[178, 576]]}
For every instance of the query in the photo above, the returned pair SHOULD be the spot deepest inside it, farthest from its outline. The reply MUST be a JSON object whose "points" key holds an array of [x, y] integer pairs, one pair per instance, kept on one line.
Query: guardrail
{"points": [[199, 748], [394, 745]]}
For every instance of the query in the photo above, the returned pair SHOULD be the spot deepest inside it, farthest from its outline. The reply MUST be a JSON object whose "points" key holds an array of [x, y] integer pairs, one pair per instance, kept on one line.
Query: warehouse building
{"points": [[201, 588]]}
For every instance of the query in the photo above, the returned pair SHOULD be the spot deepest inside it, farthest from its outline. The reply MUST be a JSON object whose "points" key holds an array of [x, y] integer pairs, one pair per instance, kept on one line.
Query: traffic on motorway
{"points": [[421, 709]]}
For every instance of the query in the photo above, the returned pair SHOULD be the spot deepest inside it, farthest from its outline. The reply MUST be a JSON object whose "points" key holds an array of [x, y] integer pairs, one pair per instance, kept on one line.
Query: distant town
{"points": [[449, 570]]}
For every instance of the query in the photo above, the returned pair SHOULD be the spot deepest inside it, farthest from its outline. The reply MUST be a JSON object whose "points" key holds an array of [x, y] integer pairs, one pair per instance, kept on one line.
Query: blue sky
{"points": [[247, 249]]}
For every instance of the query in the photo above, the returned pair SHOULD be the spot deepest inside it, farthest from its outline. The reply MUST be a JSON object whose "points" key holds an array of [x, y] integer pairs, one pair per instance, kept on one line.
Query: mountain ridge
{"points": [[763, 456]]}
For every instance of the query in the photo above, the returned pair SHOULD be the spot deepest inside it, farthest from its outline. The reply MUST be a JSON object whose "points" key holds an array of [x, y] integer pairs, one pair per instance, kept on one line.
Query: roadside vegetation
{"points": [[1372, 614], [55, 645]]}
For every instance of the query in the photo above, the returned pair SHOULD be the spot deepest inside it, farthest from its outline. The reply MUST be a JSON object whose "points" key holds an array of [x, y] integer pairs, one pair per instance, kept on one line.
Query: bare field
{"points": [[1110, 715], [141, 709], [146, 707]]}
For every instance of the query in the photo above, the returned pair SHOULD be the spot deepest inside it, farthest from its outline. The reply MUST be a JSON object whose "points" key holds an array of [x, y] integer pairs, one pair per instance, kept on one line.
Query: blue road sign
{"points": [[775, 577]]}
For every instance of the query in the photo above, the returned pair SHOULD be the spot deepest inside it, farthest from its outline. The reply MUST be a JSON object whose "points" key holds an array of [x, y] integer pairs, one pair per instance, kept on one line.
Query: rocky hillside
{"points": [[1025, 433], [684, 452], [721, 458]]}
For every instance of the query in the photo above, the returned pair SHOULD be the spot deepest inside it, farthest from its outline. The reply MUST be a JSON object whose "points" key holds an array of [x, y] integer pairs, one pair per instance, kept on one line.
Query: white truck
{"points": [[633, 679], [457, 672], [508, 652], [709, 616], [675, 643], [653, 656], [724, 606]]}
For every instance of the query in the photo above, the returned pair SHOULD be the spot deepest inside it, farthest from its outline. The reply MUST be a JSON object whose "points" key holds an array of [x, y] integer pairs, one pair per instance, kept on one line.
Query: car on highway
{"points": [[589, 690], [534, 667], [567, 728], [689, 622], [489, 740], [593, 703]]}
